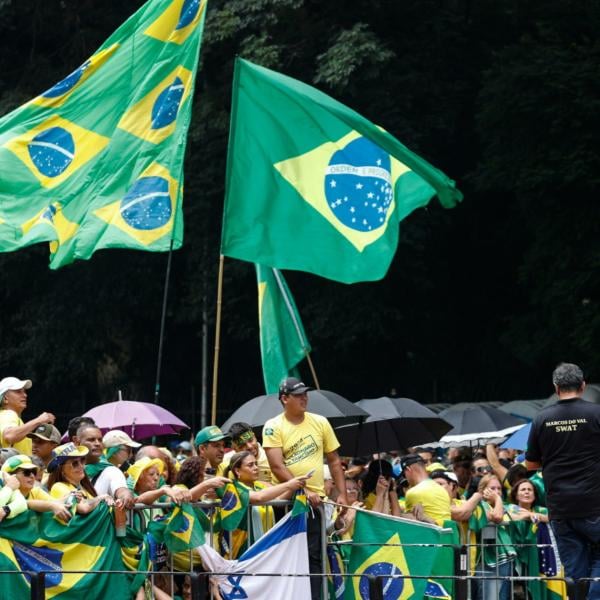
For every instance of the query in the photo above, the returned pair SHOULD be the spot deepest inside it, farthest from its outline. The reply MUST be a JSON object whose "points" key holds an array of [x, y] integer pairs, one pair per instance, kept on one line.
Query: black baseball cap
{"points": [[293, 386], [408, 460]]}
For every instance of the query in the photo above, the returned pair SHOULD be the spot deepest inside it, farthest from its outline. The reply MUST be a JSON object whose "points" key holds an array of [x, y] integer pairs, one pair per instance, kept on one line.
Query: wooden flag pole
{"points": [[312, 369], [213, 417]]}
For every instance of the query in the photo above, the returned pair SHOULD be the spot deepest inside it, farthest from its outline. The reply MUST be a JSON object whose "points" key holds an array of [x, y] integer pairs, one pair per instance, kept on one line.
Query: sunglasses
{"points": [[28, 472], [483, 470], [76, 462]]}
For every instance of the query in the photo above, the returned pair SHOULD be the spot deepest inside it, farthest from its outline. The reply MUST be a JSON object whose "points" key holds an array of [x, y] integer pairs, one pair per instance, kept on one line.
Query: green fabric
{"points": [[504, 550], [97, 160], [444, 562], [379, 551], [235, 498], [540, 487], [283, 342], [34, 542], [182, 529], [92, 470], [314, 186], [524, 537]]}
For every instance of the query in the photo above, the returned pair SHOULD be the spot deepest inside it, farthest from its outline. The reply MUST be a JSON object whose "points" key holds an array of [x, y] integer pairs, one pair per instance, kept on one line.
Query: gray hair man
{"points": [[564, 442]]}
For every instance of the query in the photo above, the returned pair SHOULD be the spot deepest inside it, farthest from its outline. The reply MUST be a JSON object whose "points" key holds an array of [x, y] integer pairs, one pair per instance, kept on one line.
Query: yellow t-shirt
{"points": [[9, 418], [434, 499], [264, 470], [38, 493], [60, 490], [303, 446]]}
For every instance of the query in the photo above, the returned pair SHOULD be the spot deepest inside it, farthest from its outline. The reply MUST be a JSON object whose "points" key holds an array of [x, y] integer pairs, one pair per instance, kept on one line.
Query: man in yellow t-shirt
{"points": [[13, 401], [424, 491], [296, 442]]}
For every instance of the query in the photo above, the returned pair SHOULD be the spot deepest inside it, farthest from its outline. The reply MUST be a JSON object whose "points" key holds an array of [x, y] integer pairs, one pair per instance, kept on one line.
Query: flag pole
{"points": [[312, 369], [163, 317], [213, 419]]}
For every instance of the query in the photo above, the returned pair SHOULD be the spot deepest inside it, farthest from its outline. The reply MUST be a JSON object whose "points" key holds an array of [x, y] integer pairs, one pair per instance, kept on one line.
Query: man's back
{"points": [[565, 438]]}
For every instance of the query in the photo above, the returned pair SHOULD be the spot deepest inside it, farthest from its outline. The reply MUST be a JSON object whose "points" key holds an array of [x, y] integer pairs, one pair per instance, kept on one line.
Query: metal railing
{"points": [[463, 577]]}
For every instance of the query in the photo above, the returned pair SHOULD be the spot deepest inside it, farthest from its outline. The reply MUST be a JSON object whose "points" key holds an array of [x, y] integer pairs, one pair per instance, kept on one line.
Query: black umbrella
{"points": [[393, 424], [526, 409], [476, 422], [591, 393], [257, 411]]}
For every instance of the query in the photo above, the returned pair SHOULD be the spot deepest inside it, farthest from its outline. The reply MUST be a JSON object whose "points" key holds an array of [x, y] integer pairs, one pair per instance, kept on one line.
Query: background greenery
{"points": [[481, 301]]}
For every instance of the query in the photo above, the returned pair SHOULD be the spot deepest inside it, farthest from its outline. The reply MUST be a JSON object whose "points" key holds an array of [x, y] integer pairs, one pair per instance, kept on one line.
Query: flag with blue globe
{"points": [[358, 185], [314, 186], [96, 161]]}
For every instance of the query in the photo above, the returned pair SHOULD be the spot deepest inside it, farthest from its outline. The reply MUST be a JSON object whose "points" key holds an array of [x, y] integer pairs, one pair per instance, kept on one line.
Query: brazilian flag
{"points": [[384, 549], [283, 342], [304, 167], [96, 161], [37, 542]]}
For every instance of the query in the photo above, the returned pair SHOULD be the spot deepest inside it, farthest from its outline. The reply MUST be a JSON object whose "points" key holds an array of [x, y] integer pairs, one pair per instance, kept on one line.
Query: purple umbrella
{"points": [[140, 420]]}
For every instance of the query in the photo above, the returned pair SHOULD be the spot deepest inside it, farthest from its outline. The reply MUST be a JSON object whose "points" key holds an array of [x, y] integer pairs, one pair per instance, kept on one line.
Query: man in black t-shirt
{"points": [[565, 442]]}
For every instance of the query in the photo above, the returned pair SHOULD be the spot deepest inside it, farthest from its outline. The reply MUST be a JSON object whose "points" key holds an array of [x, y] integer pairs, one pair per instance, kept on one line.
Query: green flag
{"points": [[96, 161], [314, 186], [182, 529], [283, 343], [37, 542], [383, 548]]}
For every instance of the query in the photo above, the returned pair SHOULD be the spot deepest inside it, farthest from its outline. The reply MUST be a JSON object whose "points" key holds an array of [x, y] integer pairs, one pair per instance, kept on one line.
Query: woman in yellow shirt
{"points": [[243, 469], [69, 483], [37, 499]]}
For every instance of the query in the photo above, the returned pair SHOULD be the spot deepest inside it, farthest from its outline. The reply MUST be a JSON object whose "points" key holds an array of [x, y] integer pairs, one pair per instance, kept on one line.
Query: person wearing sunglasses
{"points": [[24, 471], [12, 502], [69, 483]]}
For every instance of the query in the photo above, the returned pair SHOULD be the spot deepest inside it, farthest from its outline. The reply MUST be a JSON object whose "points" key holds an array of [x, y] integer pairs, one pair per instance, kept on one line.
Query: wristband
{"points": [[6, 509]]}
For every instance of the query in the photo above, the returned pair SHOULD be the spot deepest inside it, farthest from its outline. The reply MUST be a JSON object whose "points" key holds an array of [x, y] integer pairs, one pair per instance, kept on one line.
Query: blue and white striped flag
{"points": [[283, 550]]}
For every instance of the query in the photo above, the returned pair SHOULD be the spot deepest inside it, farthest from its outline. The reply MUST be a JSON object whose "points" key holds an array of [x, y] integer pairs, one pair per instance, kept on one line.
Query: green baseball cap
{"points": [[212, 433]]}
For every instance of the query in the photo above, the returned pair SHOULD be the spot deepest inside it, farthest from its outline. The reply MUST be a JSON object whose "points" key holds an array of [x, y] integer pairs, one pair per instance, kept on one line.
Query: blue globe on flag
{"points": [[166, 106], [189, 10], [229, 501], [147, 204], [358, 185], [66, 84], [393, 584], [52, 151]]}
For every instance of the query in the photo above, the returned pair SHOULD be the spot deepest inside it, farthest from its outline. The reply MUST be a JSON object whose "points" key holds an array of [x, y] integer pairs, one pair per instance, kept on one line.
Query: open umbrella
{"points": [[591, 393], [518, 440], [257, 411], [140, 420], [474, 422], [393, 424], [527, 409]]}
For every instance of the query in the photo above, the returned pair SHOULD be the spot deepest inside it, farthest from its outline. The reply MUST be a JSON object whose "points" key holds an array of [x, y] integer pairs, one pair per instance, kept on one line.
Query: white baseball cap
{"points": [[13, 383], [116, 437]]}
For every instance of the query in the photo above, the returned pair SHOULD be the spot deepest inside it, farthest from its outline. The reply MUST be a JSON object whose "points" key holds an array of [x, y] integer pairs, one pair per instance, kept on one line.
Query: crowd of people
{"points": [[479, 489]]}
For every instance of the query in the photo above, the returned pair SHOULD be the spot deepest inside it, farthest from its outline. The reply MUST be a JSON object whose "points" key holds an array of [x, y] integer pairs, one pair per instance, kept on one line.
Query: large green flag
{"points": [[97, 160], [314, 186], [283, 342], [34, 542], [383, 547]]}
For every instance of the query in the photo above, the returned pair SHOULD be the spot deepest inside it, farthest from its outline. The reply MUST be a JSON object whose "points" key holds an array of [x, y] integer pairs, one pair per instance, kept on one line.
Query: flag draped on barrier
{"points": [[381, 549], [96, 161], [38, 542], [283, 342], [314, 186], [282, 550]]}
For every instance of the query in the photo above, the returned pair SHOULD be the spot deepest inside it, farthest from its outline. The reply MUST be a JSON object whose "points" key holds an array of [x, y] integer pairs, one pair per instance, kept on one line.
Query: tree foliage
{"points": [[480, 301]]}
